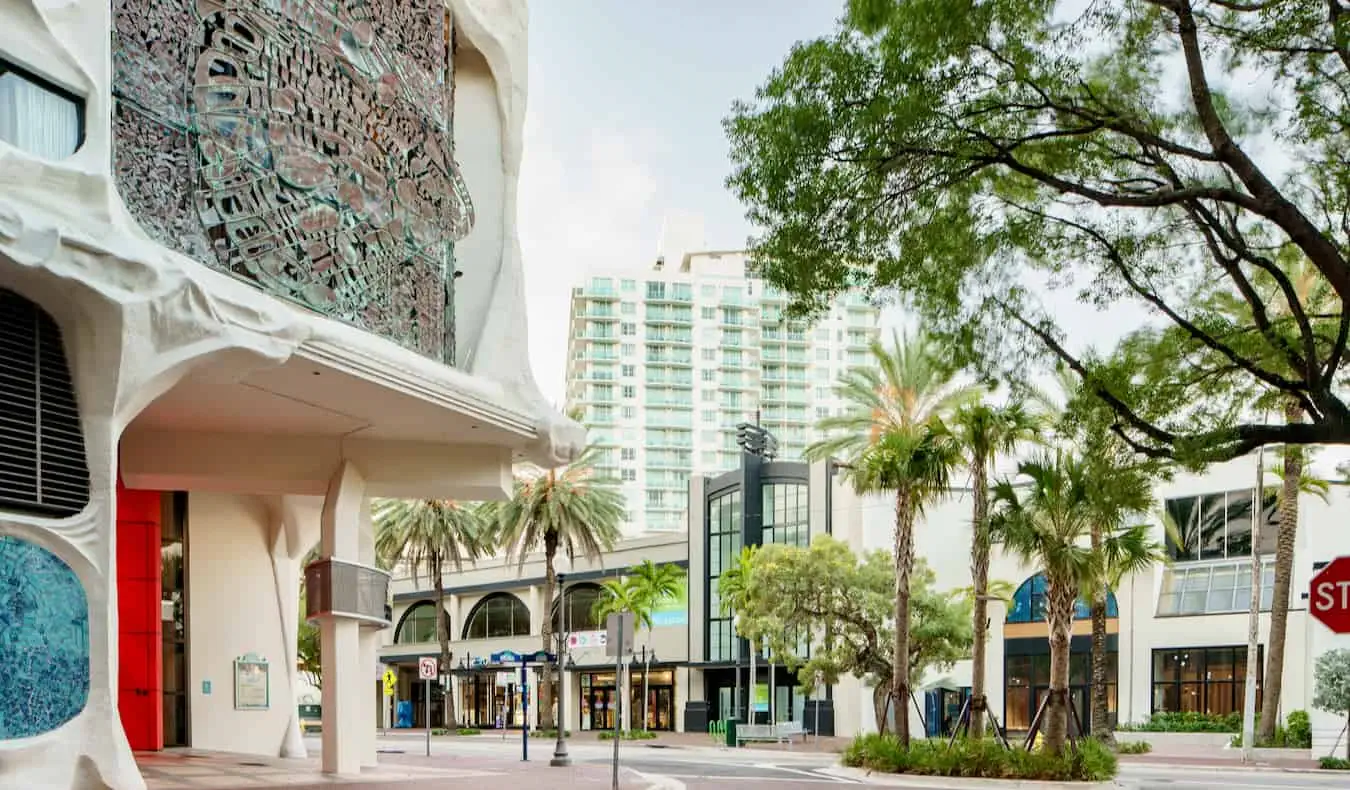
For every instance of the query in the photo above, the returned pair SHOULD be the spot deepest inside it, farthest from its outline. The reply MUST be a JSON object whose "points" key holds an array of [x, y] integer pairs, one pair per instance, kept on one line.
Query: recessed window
{"points": [[1219, 526], [38, 117]]}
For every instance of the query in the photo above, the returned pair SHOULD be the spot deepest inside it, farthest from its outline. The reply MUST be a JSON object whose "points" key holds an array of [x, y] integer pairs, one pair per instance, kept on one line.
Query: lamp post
{"points": [[560, 757], [647, 658]]}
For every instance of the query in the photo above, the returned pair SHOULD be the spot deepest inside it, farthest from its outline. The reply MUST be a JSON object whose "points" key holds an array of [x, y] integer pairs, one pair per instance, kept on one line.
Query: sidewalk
{"points": [[1263, 762], [188, 769], [673, 740]]}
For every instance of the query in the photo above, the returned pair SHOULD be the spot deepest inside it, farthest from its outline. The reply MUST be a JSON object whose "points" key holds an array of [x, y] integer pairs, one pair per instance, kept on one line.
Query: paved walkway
{"points": [[187, 769]]}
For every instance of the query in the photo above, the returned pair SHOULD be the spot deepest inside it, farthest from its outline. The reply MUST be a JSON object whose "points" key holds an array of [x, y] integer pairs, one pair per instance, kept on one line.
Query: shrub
{"points": [[1187, 722], [1296, 733], [468, 731], [439, 731], [551, 734], [1090, 761], [630, 735], [1134, 747], [1299, 729], [1335, 764]]}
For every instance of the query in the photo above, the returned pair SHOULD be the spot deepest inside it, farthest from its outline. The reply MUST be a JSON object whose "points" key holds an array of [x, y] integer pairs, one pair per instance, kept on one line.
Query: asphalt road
{"points": [[702, 768]]}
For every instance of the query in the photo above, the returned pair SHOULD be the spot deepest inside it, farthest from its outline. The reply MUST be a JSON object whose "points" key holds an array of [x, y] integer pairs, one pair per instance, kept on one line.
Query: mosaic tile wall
{"points": [[301, 145], [44, 641]]}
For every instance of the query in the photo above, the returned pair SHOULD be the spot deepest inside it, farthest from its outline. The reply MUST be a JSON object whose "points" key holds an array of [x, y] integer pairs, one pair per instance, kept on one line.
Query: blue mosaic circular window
{"points": [[44, 641]]}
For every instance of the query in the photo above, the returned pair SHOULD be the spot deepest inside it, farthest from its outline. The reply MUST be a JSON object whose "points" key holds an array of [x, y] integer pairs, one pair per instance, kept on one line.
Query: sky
{"points": [[623, 127]]}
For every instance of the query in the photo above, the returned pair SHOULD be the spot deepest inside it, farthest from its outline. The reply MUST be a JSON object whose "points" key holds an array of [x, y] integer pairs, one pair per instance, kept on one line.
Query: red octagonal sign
{"points": [[1329, 598]]}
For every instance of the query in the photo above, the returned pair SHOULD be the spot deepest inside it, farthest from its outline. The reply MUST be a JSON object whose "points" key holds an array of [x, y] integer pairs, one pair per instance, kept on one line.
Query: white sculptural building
{"points": [[258, 264]]}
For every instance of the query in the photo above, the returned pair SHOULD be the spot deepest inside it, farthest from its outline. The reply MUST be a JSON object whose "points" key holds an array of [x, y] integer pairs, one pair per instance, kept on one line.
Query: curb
{"points": [[1225, 766], [946, 782]]}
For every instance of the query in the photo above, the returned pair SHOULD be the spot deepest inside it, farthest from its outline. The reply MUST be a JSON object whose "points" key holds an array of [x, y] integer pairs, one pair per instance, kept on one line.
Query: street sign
{"points": [[619, 629], [1329, 600], [583, 640], [506, 657], [426, 668], [390, 682]]}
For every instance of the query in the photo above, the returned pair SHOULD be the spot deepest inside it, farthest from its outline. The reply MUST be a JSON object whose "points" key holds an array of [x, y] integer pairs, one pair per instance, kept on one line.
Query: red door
{"points": [[140, 665]]}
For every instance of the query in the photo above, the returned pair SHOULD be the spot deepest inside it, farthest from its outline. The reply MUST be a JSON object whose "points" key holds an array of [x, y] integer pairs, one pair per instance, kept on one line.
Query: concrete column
{"points": [[343, 672], [369, 642], [537, 613]]}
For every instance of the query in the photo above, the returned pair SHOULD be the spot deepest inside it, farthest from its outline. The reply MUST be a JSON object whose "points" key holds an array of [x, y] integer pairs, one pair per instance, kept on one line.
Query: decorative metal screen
{"points": [[43, 469], [302, 145], [347, 589]]}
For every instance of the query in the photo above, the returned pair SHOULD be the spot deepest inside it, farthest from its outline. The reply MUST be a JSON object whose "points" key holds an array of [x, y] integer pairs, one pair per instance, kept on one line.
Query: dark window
{"points": [[1219, 526], [579, 614], [498, 615], [1202, 679], [418, 625], [1028, 603], [42, 461], [37, 116], [724, 546], [786, 514]]}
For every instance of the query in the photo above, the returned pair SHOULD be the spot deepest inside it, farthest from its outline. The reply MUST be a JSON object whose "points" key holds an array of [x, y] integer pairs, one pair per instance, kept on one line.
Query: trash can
{"points": [[730, 727]]}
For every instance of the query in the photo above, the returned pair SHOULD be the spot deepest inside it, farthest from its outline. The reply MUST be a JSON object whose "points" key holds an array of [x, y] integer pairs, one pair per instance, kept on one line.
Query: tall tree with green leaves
{"points": [[430, 536], [646, 587], [1049, 526], [893, 439], [985, 431], [839, 604], [972, 155], [567, 509]]}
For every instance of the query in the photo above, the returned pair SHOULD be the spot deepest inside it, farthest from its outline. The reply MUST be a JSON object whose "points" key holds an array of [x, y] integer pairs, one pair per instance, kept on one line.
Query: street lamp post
{"points": [[560, 757], [647, 658]]}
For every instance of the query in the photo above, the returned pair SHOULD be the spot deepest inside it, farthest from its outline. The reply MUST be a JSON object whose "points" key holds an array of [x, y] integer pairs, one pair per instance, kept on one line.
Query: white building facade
{"points": [[664, 363], [1177, 634], [258, 264]]}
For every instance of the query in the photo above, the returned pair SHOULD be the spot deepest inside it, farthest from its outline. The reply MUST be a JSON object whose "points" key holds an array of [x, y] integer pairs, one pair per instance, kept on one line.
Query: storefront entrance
{"points": [[486, 704], [660, 705], [599, 701]]}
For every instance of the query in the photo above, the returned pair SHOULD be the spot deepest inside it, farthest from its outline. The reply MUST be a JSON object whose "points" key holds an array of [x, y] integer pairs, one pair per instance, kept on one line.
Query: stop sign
{"points": [[1329, 599]]}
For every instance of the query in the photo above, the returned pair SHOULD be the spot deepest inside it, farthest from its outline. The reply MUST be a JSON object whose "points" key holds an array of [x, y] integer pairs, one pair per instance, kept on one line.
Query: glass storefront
{"points": [[484, 703], [1028, 683], [599, 700], [1203, 679]]}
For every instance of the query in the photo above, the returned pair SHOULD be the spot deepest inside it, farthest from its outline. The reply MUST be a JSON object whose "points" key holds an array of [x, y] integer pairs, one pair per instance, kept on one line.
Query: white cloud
{"points": [[595, 208]]}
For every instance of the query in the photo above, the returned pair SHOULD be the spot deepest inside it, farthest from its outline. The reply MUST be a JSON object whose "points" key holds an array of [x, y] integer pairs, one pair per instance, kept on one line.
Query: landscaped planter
{"points": [[1180, 742]]}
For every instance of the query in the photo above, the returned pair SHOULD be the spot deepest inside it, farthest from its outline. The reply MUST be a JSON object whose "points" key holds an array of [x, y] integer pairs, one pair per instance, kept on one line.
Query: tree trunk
{"points": [[546, 631], [1100, 712], [904, 564], [1059, 618], [880, 693], [1284, 573], [1098, 707], [979, 574], [449, 714]]}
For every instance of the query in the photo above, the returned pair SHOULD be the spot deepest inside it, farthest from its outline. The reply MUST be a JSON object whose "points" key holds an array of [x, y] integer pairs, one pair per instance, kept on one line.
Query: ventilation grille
{"points": [[42, 462]]}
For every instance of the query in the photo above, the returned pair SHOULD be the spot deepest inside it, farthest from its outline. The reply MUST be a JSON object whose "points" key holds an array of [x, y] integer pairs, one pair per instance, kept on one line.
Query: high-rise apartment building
{"points": [[665, 362]]}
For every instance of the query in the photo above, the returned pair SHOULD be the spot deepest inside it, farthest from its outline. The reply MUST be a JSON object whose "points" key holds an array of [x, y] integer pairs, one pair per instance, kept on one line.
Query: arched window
{"points": [[418, 625], [1028, 603], [498, 615], [579, 614]]}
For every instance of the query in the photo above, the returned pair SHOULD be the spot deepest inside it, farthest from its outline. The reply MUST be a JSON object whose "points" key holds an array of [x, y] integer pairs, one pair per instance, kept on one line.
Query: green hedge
{"points": [[1187, 722], [1295, 733], [1134, 747], [988, 759], [630, 735], [1335, 764]]}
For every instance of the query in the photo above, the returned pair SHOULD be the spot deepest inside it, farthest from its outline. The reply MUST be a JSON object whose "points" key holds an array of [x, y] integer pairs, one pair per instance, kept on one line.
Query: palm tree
{"points": [[893, 439], [1049, 527], [657, 582], [428, 535], [569, 509], [984, 432]]}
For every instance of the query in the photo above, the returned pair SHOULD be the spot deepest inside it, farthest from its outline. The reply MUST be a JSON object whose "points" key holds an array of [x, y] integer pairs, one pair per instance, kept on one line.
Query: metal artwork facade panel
{"points": [[302, 145]]}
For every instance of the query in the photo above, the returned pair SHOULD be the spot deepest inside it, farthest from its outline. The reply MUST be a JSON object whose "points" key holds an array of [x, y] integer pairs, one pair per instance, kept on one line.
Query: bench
{"points": [[783, 732]]}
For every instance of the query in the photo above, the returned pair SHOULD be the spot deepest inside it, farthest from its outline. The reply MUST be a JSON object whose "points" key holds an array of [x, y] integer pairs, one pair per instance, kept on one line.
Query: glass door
{"points": [[173, 603], [602, 703]]}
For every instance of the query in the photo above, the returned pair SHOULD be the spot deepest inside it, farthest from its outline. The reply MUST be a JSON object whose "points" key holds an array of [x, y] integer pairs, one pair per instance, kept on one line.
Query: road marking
{"points": [[814, 775]]}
